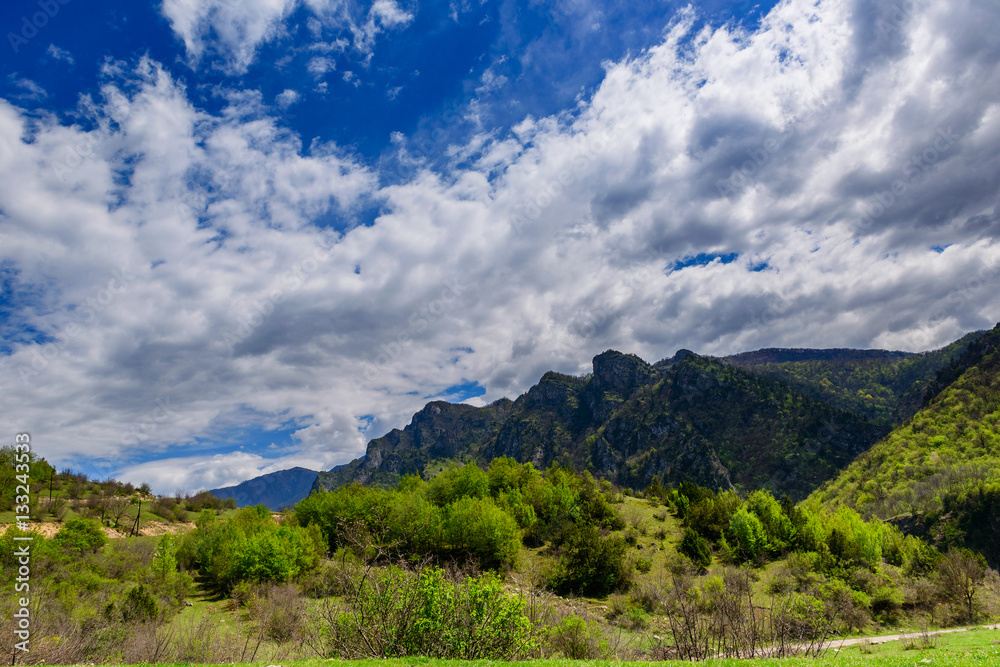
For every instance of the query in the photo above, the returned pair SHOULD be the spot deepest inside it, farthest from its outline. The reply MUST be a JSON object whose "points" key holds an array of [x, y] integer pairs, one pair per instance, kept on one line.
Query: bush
{"points": [[81, 536], [696, 548], [250, 547], [476, 528], [577, 639], [138, 605], [469, 481], [749, 540], [393, 612], [473, 620], [592, 565]]}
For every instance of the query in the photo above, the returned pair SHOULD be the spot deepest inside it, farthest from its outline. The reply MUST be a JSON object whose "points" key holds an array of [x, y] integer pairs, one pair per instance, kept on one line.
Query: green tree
{"points": [[749, 539], [81, 536], [592, 565], [696, 548], [960, 575], [477, 528]]}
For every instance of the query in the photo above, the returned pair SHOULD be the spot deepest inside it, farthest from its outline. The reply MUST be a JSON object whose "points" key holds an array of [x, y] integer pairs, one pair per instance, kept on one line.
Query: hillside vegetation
{"points": [[500, 562], [938, 475], [885, 387]]}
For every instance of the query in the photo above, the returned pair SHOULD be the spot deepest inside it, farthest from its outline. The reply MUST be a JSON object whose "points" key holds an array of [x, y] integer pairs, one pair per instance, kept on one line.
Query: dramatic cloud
{"points": [[174, 276]]}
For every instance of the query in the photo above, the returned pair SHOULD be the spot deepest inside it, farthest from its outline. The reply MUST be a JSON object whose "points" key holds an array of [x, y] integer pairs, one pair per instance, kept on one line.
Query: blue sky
{"points": [[237, 237]]}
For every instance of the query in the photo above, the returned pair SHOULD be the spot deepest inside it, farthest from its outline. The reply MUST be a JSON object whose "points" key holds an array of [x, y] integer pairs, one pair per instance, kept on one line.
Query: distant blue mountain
{"points": [[277, 490]]}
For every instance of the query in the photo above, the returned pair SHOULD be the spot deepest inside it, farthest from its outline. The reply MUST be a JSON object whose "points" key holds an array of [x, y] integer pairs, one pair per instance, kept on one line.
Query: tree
{"points": [[81, 535], [960, 575], [749, 537], [696, 548], [592, 565], [477, 528]]}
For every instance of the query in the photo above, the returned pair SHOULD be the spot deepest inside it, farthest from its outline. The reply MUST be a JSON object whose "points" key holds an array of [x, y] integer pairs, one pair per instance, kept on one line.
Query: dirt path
{"points": [[881, 639], [50, 528]]}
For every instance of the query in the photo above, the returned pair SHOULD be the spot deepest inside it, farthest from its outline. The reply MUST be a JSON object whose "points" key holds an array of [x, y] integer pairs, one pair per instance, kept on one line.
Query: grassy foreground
{"points": [[979, 647]]}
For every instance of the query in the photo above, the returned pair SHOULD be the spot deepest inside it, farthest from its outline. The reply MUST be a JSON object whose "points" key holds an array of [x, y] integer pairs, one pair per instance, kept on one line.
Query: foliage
{"points": [[884, 387], [696, 548], [393, 611], [960, 575], [250, 547], [476, 529], [81, 536], [749, 541], [939, 473], [592, 565], [464, 514]]}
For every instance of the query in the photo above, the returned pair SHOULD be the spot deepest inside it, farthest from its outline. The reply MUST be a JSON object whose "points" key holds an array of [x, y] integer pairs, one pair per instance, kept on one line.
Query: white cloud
{"points": [[32, 91], [232, 31], [318, 66], [826, 156], [287, 98], [56, 53]]}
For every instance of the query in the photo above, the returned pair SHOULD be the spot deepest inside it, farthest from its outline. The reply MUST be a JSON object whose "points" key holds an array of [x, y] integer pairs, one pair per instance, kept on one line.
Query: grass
{"points": [[979, 647]]}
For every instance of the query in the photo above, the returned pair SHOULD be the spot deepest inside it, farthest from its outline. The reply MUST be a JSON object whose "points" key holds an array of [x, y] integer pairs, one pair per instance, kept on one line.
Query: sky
{"points": [[238, 236]]}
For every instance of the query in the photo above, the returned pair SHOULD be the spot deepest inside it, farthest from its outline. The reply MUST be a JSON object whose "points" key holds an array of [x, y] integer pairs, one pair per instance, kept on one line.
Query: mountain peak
{"points": [[620, 373]]}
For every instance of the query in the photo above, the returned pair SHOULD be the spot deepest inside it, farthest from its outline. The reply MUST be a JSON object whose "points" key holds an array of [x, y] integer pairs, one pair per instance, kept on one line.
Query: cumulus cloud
{"points": [[230, 32], [805, 184]]}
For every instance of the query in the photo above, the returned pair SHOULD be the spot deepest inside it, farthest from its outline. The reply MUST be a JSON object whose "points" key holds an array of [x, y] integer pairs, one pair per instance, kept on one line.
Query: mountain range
{"points": [[276, 490], [836, 426]]}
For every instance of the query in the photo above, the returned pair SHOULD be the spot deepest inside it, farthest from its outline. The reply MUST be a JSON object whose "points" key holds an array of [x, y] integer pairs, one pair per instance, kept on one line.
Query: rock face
{"points": [[276, 490], [686, 418]]}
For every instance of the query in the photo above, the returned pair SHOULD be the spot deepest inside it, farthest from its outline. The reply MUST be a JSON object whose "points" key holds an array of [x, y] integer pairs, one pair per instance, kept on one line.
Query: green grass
{"points": [[980, 648]]}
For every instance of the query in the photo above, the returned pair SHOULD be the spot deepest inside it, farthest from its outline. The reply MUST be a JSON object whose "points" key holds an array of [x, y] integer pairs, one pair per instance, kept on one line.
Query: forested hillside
{"points": [[883, 386], [939, 473]]}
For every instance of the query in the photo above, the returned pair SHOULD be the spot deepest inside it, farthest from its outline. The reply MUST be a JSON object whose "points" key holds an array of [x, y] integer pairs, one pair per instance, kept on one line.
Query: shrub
{"points": [[477, 528], [393, 612], [138, 605], [469, 481], [250, 546], [749, 540], [696, 548], [578, 639], [960, 576], [81, 536], [592, 565]]}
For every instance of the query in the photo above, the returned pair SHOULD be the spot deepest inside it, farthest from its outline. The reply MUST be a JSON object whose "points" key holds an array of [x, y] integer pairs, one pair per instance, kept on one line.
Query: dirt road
{"points": [[840, 643]]}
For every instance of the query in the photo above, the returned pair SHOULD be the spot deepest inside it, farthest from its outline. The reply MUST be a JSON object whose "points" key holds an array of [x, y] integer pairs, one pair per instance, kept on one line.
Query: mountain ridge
{"points": [[741, 421], [276, 490], [633, 422]]}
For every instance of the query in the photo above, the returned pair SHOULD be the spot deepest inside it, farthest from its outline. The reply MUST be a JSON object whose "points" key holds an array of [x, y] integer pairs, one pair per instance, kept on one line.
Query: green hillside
{"points": [[885, 387], [939, 473]]}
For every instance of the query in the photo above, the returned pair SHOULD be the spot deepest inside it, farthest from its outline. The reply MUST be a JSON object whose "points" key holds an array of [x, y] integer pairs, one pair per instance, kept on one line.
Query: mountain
{"points": [[277, 490], [686, 418], [938, 474], [886, 387]]}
